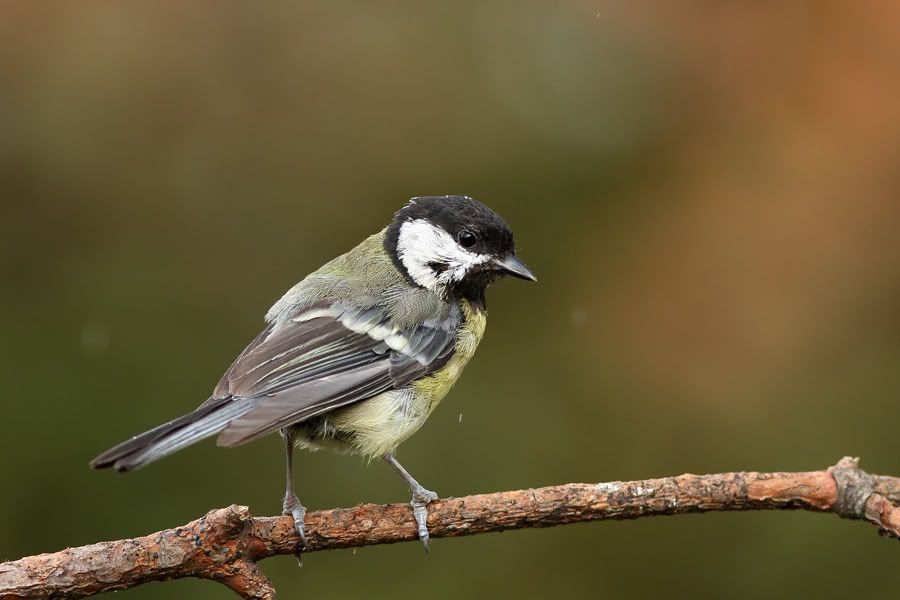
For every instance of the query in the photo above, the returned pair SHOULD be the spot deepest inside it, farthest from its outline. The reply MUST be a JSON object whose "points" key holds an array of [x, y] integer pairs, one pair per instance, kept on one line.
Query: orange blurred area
{"points": [[709, 194]]}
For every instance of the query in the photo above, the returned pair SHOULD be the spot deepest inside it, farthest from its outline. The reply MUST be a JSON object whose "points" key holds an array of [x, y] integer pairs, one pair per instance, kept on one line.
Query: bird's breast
{"points": [[434, 387], [376, 426]]}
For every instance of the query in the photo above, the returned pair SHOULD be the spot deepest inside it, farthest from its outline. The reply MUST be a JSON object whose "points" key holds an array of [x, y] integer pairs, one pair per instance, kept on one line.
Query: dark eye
{"points": [[466, 238]]}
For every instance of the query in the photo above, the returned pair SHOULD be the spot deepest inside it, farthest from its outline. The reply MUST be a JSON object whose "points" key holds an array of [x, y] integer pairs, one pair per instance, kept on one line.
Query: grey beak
{"points": [[511, 265]]}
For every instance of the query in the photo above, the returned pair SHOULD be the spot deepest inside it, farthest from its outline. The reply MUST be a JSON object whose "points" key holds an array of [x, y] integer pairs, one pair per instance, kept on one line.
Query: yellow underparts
{"points": [[376, 426]]}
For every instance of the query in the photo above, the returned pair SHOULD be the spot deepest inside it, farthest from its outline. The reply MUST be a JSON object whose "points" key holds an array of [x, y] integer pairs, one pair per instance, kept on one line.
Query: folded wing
{"points": [[327, 357]]}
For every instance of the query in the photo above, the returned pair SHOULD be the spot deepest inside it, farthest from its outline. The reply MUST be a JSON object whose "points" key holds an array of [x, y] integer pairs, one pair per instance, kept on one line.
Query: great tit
{"points": [[355, 357]]}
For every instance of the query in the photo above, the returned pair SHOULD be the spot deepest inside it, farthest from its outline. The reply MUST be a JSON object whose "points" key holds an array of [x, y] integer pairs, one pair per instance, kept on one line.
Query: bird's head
{"points": [[454, 246]]}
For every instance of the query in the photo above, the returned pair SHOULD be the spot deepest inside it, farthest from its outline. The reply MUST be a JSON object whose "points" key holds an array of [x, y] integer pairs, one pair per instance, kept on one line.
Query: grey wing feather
{"points": [[300, 353], [198, 430], [305, 401], [209, 419], [327, 357]]}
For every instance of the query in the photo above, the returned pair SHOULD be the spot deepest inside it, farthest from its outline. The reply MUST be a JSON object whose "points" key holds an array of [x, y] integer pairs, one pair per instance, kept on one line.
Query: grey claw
{"points": [[299, 515], [293, 508], [421, 514], [420, 501]]}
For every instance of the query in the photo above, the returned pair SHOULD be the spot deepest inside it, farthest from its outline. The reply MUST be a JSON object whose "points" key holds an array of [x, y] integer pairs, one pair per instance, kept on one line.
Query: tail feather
{"points": [[208, 420]]}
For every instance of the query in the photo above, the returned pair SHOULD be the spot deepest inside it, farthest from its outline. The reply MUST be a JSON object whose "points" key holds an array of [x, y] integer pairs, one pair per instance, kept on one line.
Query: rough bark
{"points": [[226, 544]]}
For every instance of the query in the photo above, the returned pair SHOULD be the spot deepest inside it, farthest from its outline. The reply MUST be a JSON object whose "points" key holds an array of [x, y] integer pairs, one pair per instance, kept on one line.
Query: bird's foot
{"points": [[420, 501], [293, 508]]}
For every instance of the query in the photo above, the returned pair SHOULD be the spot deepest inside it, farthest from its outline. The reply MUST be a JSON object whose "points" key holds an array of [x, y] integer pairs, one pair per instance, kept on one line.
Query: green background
{"points": [[708, 193]]}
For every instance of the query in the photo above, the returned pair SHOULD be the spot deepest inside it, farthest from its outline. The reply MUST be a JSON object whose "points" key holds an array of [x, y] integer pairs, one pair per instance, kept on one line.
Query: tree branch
{"points": [[226, 544]]}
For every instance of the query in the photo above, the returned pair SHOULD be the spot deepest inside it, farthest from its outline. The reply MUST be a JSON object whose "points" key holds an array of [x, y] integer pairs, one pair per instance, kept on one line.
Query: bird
{"points": [[355, 357]]}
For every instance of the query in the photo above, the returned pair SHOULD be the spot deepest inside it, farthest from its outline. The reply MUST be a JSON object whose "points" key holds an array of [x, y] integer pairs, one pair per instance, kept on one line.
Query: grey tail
{"points": [[208, 420]]}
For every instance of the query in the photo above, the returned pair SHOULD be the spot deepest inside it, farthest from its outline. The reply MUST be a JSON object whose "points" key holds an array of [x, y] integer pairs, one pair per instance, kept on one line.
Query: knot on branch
{"points": [[866, 497], [854, 488], [233, 519], [223, 535]]}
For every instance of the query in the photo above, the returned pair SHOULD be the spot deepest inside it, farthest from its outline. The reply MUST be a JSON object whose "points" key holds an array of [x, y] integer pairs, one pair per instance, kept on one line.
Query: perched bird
{"points": [[355, 357]]}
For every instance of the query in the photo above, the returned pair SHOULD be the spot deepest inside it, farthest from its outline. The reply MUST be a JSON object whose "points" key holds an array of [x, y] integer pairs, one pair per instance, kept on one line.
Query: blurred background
{"points": [[708, 192]]}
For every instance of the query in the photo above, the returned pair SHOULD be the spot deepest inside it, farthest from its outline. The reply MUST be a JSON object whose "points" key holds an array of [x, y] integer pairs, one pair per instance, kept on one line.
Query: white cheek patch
{"points": [[422, 244]]}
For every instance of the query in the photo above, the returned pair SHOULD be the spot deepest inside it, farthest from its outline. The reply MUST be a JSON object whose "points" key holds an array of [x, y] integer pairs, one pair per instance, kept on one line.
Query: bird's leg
{"points": [[292, 506], [421, 498]]}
